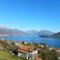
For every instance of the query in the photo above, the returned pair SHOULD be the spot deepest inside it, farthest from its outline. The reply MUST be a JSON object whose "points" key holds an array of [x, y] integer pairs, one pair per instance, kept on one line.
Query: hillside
{"points": [[56, 35], [10, 32], [31, 32], [44, 33]]}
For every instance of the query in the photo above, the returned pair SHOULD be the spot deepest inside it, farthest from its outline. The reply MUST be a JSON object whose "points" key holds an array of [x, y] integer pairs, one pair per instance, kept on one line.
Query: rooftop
{"points": [[25, 49]]}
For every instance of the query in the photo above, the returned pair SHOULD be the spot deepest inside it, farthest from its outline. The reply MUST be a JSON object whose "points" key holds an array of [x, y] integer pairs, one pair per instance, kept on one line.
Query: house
{"points": [[17, 44], [27, 52], [42, 45], [51, 48]]}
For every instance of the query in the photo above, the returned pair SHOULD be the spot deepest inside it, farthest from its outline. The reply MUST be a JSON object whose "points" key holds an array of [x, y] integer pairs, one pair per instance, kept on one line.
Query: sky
{"points": [[30, 14]]}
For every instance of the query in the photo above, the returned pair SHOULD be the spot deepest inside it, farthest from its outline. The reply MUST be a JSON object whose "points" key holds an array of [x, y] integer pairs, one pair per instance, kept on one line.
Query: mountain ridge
{"points": [[15, 32], [56, 35]]}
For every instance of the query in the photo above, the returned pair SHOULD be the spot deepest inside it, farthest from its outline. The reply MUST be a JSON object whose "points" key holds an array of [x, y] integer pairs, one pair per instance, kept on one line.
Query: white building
{"points": [[27, 52]]}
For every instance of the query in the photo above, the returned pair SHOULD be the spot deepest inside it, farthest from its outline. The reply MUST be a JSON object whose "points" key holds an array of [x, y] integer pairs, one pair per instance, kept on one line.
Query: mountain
{"points": [[32, 32], [15, 32], [56, 35], [10, 32], [44, 33]]}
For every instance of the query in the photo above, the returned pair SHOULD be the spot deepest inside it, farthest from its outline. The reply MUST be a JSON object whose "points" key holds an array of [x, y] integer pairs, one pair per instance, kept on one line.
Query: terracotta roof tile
{"points": [[25, 49]]}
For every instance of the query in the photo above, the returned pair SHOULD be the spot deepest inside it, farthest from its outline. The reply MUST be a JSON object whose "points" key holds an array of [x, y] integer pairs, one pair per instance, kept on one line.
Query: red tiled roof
{"points": [[24, 49]]}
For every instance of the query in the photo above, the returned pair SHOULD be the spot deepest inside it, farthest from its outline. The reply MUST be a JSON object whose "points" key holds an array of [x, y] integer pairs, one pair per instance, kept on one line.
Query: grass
{"points": [[6, 56]]}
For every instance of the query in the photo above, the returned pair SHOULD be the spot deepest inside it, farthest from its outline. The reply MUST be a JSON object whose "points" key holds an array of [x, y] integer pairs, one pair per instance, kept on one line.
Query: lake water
{"points": [[49, 41]]}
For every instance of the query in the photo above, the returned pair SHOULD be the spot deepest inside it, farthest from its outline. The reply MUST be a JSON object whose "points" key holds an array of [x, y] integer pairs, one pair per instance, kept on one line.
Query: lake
{"points": [[34, 39]]}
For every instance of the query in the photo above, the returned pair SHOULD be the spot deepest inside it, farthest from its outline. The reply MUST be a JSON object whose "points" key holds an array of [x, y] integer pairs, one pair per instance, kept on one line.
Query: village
{"points": [[28, 51]]}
